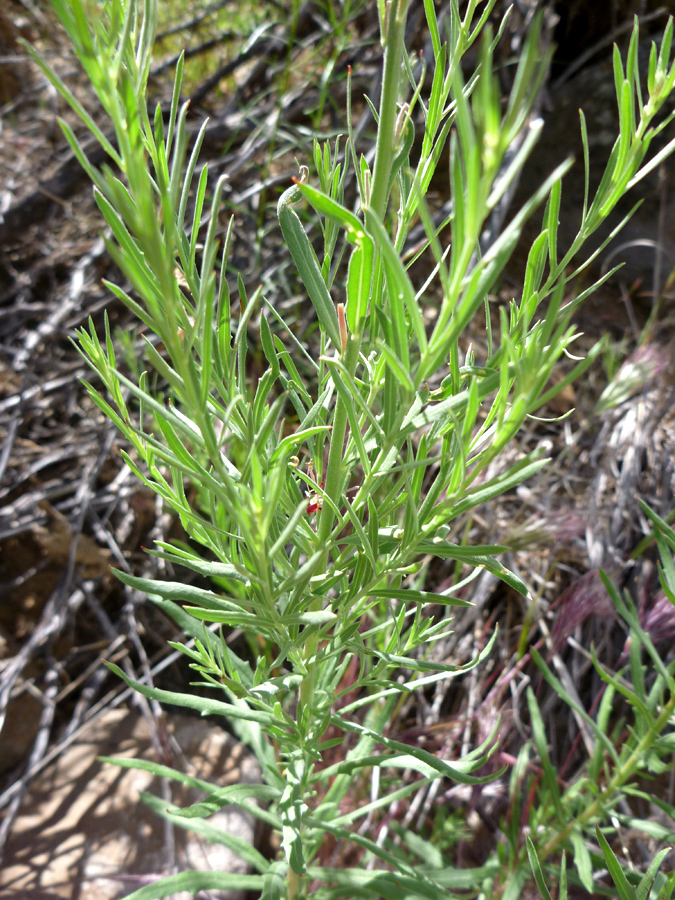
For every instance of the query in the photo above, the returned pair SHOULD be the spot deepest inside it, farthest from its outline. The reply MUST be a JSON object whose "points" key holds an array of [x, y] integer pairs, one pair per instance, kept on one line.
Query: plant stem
{"points": [[293, 885], [333, 488], [385, 151], [394, 47], [384, 157], [620, 777]]}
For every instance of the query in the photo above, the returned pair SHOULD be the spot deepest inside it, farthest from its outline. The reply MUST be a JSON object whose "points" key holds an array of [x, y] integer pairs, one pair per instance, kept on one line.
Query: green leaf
{"points": [[626, 892], [359, 278], [403, 887], [400, 292], [268, 346], [208, 832], [205, 706], [563, 878], [647, 879], [417, 880], [474, 557], [190, 560], [582, 860], [308, 265], [457, 772], [397, 367], [236, 794], [539, 739], [536, 869], [412, 596], [333, 210], [562, 693], [193, 882], [177, 591], [274, 887]]}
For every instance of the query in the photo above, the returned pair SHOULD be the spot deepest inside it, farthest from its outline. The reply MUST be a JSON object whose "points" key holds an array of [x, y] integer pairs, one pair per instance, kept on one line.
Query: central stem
{"points": [[385, 152]]}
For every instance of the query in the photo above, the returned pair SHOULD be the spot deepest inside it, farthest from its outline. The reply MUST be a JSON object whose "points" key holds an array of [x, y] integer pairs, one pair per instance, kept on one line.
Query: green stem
{"points": [[333, 488], [334, 474], [385, 153], [614, 784], [385, 149], [293, 885]]}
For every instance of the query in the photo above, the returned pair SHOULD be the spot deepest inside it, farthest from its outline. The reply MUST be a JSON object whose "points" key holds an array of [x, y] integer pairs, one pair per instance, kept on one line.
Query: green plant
{"points": [[625, 890], [614, 796], [320, 496], [630, 741]]}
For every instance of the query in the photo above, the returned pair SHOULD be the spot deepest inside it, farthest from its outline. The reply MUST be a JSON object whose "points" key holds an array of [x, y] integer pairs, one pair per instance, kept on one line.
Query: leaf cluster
{"points": [[320, 498]]}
